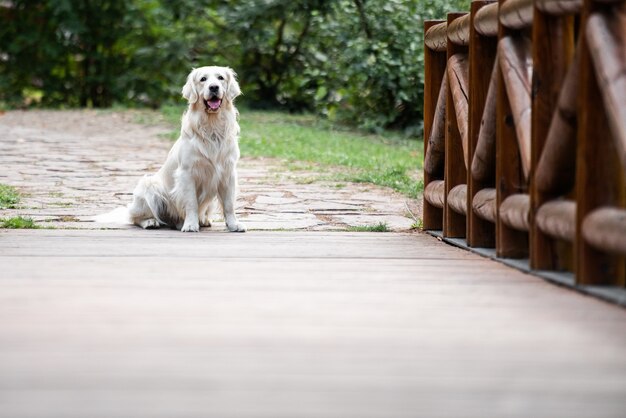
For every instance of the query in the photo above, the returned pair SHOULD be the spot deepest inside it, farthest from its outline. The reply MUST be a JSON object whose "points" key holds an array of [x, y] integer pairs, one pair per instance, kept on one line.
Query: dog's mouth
{"points": [[213, 104]]}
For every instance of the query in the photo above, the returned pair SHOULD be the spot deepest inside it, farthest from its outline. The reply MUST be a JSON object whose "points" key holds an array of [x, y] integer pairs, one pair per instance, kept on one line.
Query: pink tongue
{"points": [[214, 104]]}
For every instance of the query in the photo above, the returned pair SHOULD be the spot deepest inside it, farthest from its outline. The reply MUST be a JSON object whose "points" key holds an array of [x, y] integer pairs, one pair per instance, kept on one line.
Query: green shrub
{"points": [[379, 227], [18, 222], [9, 197], [355, 61]]}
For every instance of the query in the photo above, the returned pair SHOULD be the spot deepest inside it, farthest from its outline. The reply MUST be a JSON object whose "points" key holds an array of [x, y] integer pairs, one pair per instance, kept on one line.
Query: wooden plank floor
{"points": [[134, 323]]}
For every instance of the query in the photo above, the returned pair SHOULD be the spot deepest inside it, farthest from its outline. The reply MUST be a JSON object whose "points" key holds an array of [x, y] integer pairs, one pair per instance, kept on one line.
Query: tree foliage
{"points": [[359, 61]]}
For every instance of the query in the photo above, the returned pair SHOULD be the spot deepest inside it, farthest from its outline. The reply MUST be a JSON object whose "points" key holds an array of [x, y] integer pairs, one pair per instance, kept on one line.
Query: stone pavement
{"points": [[72, 165]]}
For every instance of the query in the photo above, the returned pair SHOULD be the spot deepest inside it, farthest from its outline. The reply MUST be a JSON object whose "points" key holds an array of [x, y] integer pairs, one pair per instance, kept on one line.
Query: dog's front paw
{"points": [[190, 227], [236, 226]]}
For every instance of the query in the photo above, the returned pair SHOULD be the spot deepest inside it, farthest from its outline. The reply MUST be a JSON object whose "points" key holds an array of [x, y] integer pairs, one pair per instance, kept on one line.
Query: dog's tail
{"points": [[116, 216], [158, 206], [155, 198], [149, 200]]}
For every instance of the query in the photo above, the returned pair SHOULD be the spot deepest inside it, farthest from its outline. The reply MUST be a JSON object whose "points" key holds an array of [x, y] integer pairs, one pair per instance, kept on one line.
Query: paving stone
{"points": [[74, 165], [272, 200]]}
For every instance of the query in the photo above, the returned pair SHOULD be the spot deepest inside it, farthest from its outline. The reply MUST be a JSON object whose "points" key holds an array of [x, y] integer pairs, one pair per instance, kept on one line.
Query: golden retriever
{"points": [[201, 167]]}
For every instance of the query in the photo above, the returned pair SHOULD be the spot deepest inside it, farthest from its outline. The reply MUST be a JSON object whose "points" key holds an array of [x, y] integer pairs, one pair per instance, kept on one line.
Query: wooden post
{"points": [[553, 46], [599, 175], [606, 37], [484, 161], [435, 157], [455, 170], [434, 71], [480, 233], [514, 56], [510, 243], [458, 76], [555, 173]]}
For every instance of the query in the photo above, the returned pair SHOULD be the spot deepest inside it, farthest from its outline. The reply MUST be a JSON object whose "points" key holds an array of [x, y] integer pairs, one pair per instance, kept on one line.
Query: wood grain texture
{"points": [[606, 35], [556, 169], [516, 14], [557, 218], [457, 199], [599, 177], [454, 224], [484, 160], [515, 210], [510, 175], [436, 36], [486, 21], [605, 229], [121, 324], [514, 54], [434, 73], [553, 48], [458, 77], [458, 31], [435, 152], [484, 204], [559, 7], [434, 193], [480, 233]]}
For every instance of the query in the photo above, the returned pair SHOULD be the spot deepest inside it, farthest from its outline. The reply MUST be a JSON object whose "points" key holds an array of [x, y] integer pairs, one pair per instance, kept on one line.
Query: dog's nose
{"points": [[214, 88]]}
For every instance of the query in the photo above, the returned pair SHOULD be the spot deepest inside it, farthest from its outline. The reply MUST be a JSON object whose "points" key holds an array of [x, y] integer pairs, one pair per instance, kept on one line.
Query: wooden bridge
{"points": [[525, 121], [130, 324]]}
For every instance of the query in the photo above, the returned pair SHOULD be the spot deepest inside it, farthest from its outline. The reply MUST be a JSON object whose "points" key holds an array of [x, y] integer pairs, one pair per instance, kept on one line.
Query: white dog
{"points": [[202, 165]]}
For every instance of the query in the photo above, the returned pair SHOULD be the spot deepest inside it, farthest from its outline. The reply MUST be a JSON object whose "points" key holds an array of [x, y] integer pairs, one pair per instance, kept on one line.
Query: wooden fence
{"points": [[525, 133]]}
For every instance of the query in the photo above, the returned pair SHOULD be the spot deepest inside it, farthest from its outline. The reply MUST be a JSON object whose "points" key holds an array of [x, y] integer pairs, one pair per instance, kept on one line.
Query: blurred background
{"points": [[358, 62]]}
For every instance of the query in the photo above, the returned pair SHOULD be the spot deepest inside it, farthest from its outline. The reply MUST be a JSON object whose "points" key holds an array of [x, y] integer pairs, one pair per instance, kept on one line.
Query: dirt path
{"points": [[73, 165]]}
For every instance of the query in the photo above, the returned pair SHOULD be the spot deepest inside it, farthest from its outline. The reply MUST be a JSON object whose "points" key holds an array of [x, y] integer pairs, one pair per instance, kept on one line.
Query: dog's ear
{"points": [[189, 89], [233, 89]]}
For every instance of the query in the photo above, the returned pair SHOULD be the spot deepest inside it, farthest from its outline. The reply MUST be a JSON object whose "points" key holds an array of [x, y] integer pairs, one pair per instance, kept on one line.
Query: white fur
{"points": [[201, 167], [116, 216]]}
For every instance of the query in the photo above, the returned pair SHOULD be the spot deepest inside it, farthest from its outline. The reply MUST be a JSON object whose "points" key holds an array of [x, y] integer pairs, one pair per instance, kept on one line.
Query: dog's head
{"points": [[211, 87]]}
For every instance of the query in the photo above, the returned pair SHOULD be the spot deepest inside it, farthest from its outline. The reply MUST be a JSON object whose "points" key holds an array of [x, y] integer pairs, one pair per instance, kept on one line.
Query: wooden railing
{"points": [[525, 133]]}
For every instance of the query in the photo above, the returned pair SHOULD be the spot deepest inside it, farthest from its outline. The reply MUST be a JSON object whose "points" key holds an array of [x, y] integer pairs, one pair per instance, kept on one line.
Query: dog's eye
{"points": [[203, 79], [219, 77]]}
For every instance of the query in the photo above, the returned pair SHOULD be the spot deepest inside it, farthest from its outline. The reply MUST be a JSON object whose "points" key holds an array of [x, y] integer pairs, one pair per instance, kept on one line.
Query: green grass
{"points": [[18, 222], [379, 227], [337, 152], [418, 225], [9, 197]]}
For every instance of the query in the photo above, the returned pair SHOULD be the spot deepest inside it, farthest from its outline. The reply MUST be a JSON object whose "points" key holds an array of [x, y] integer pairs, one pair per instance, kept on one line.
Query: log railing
{"points": [[525, 133]]}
